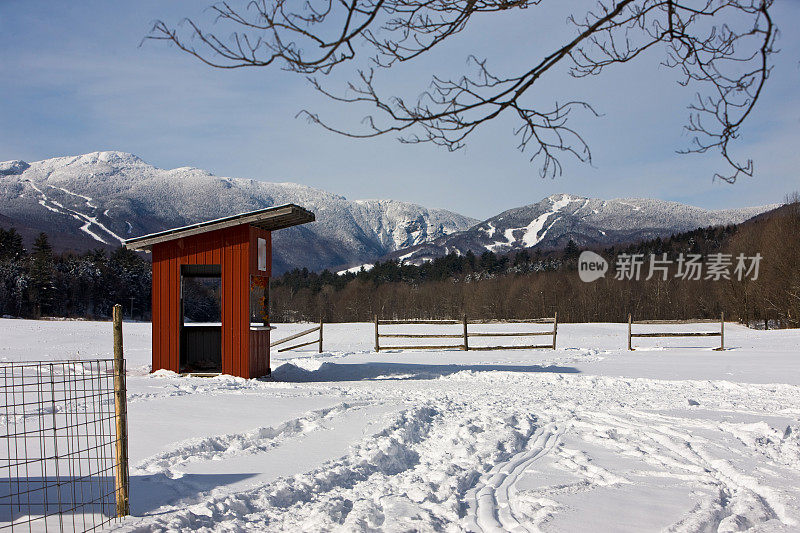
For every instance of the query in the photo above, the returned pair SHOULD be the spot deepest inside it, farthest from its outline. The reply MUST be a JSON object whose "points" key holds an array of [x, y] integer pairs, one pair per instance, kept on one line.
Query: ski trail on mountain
{"points": [[88, 199], [88, 221]]}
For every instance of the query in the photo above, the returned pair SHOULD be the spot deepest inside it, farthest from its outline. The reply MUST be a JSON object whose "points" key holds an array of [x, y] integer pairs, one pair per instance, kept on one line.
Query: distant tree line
{"points": [[42, 283], [522, 284], [528, 284], [488, 265], [464, 267]]}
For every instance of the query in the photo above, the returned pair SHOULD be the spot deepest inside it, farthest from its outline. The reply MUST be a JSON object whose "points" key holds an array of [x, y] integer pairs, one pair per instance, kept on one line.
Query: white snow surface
{"points": [[589, 437], [356, 269], [533, 232]]}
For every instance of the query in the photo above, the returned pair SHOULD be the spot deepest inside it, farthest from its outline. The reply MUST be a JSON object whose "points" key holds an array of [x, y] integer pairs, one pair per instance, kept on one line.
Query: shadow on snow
{"points": [[398, 371], [84, 501]]}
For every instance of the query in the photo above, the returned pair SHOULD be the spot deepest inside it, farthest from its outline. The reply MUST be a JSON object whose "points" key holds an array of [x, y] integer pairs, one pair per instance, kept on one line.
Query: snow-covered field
{"points": [[589, 437]]}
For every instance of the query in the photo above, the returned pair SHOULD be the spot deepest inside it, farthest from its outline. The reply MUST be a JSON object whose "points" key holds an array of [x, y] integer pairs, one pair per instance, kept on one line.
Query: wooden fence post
{"points": [[121, 418], [377, 339], [320, 334], [722, 330], [630, 346], [466, 336], [555, 328]]}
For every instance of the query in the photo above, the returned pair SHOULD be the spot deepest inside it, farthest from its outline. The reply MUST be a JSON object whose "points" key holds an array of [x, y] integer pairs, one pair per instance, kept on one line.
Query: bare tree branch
{"points": [[721, 48]]}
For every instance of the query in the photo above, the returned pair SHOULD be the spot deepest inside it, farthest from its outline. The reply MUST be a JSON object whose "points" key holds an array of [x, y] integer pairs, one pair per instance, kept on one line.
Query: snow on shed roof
{"points": [[271, 218]]}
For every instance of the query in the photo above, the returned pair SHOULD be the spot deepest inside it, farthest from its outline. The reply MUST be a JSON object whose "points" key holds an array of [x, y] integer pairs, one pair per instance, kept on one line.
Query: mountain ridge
{"points": [[101, 198], [110, 196], [559, 218]]}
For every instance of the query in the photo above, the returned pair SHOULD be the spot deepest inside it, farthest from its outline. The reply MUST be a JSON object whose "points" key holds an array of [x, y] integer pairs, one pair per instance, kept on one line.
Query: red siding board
{"points": [[232, 300], [169, 306], [156, 308], [160, 310], [242, 309], [237, 310], [231, 293], [174, 299], [165, 310]]}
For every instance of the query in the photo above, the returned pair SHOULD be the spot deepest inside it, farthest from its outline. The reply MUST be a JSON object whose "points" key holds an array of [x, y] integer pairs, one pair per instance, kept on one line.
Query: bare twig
{"points": [[721, 48]]}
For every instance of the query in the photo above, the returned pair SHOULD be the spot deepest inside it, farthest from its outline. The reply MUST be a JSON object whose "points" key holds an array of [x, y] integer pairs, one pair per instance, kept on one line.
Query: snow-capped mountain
{"points": [[552, 222], [102, 198]]}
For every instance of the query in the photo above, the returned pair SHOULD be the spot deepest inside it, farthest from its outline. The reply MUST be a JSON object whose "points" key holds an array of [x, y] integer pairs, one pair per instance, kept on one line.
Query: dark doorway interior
{"points": [[201, 318]]}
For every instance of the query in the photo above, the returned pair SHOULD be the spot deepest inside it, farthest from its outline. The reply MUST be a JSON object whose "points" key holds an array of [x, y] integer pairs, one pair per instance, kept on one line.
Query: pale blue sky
{"points": [[75, 80]]}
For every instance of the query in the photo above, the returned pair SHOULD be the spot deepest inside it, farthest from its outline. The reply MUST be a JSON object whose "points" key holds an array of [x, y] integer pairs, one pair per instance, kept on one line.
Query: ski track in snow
{"points": [[493, 499], [681, 452], [461, 455]]}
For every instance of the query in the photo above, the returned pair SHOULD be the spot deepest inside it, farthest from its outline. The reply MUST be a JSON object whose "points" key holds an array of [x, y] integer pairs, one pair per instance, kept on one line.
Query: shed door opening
{"points": [[201, 318]]}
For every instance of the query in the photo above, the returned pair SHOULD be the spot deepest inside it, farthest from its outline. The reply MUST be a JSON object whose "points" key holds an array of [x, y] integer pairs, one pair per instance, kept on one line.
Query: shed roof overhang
{"points": [[271, 218]]}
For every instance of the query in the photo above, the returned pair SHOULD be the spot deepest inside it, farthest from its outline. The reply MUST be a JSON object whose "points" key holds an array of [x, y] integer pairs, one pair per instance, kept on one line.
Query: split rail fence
{"points": [[465, 335], [664, 334], [317, 341], [63, 443]]}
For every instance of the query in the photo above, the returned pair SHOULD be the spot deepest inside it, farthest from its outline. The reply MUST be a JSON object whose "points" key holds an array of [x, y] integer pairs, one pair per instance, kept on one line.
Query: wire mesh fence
{"points": [[58, 441]]}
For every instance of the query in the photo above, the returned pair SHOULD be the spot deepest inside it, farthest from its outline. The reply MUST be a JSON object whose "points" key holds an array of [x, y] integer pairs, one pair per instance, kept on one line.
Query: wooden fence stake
{"points": [[466, 336], [555, 328], [630, 346], [121, 416], [377, 339], [722, 331]]}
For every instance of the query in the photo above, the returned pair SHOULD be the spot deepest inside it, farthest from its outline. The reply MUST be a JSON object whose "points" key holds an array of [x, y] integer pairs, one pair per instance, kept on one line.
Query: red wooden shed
{"points": [[211, 292]]}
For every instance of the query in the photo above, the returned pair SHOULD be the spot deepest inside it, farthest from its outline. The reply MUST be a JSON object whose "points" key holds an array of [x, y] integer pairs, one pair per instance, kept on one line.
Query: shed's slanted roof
{"points": [[271, 218]]}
